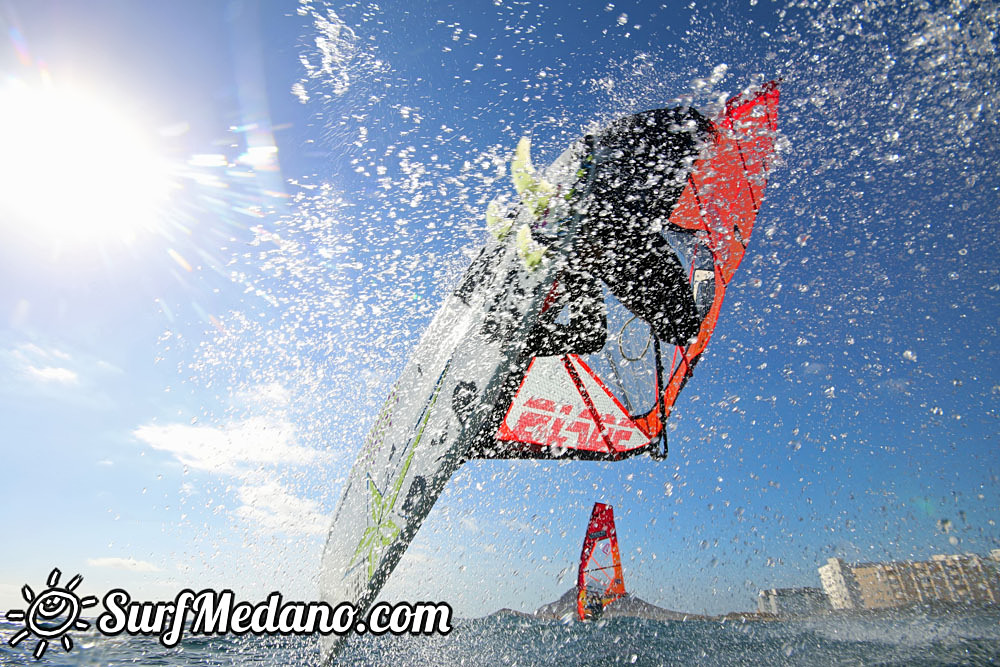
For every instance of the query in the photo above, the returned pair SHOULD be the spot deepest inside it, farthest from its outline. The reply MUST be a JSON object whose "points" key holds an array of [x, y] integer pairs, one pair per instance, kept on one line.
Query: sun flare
{"points": [[74, 169]]}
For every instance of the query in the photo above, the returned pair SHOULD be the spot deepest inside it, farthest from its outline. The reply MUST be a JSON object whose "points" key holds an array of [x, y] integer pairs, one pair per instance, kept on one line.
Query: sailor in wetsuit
{"points": [[595, 608], [640, 174]]}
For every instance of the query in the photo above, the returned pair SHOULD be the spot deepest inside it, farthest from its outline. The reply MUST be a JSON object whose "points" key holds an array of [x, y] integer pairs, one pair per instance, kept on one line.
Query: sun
{"points": [[74, 168], [51, 614]]}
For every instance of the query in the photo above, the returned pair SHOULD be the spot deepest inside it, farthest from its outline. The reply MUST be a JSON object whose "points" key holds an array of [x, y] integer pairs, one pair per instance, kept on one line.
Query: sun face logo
{"points": [[51, 614]]}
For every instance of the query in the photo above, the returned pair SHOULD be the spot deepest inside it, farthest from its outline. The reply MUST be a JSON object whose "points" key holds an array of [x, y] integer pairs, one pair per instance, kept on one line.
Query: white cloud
{"points": [[116, 563], [29, 353], [42, 365], [272, 507], [255, 441], [44, 370], [108, 368], [272, 393], [241, 449], [52, 374]]}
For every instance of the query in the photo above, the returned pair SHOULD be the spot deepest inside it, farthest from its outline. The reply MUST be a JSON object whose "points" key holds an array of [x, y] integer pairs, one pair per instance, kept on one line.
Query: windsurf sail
{"points": [[614, 403], [600, 581]]}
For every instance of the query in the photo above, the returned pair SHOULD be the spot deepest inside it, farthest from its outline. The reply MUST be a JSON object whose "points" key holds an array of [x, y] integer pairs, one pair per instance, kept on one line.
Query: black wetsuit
{"points": [[587, 328], [642, 163]]}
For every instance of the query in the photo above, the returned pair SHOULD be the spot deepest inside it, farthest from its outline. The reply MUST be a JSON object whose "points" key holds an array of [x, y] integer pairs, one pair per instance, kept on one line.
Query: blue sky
{"points": [[183, 390]]}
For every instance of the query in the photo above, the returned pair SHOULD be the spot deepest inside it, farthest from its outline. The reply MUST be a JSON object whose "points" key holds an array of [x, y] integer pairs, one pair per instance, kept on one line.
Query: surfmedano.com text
{"points": [[218, 613]]}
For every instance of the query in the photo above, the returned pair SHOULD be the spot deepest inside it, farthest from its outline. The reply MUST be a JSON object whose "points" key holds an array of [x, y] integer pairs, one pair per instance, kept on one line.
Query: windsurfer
{"points": [[639, 178], [595, 607], [599, 578], [586, 330]]}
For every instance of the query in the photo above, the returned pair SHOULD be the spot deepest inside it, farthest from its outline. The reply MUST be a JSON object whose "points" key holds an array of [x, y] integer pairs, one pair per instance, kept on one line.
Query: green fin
{"points": [[531, 251], [497, 222], [532, 190]]}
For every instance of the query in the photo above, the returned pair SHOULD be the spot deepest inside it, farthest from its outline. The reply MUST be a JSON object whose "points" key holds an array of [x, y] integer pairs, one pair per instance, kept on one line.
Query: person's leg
{"points": [[642, 169]]}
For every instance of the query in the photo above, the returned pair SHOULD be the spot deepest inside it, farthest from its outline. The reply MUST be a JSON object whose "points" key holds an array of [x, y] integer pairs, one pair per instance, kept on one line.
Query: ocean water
{"points": [[511, 640]]}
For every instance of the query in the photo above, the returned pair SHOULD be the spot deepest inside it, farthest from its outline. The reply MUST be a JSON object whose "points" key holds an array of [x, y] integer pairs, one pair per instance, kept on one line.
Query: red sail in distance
{"points": [[600, 581]]}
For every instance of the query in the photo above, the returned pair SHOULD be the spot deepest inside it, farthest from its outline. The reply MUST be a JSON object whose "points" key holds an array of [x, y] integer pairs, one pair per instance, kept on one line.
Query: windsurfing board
{"points": [[454, 390]]}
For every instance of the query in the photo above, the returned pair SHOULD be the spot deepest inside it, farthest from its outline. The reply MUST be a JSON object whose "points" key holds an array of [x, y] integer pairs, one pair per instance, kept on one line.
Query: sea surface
{"points": [[511, 640]]}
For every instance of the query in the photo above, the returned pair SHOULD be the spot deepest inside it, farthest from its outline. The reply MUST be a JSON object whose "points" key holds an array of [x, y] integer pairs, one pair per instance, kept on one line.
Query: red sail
{"points": [[585, 407], [721, 201], [600, 581], [563, 405]]}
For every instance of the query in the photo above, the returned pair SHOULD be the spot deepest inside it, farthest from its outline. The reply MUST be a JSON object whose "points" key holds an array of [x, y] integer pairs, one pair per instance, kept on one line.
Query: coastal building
{"points": [[792, 601], [955, 578], [839, 584]]}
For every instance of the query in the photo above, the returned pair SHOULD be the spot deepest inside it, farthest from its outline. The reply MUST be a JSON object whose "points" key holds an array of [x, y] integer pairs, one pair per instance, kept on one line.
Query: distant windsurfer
{"points": [[600, 581], [595, 607]]}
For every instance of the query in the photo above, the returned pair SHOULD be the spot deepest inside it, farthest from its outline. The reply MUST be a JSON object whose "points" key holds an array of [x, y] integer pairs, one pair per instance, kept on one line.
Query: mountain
{"points": [[628, 606], [506, 611]]}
